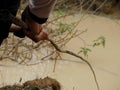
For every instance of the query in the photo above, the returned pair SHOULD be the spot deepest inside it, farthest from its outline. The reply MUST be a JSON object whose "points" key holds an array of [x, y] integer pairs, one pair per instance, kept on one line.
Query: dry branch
{"points": [[73, 54], [24, 26]]}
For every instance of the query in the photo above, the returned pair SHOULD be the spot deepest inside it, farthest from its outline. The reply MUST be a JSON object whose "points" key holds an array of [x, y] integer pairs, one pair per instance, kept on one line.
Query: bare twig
{"points": [[73, 54]]}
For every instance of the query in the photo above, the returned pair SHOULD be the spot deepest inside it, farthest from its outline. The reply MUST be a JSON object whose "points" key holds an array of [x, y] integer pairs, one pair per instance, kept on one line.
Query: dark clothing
{"points": [[12, 7]]}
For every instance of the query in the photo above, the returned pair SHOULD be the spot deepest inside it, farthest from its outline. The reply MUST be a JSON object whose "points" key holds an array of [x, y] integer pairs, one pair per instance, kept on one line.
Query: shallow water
{"points": [[71, 72]]}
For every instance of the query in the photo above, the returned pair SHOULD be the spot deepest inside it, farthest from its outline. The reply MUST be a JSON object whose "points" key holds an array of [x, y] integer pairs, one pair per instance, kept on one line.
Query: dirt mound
{"points": [[37, 84]]}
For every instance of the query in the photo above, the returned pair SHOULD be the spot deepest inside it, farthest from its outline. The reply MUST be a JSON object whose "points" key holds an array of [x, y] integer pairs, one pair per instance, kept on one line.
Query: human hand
{"points": [[35, 32]]}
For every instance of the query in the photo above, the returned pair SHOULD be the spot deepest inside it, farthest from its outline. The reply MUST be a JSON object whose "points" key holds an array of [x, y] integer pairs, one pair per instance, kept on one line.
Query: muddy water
{"points": [[72, 73]]}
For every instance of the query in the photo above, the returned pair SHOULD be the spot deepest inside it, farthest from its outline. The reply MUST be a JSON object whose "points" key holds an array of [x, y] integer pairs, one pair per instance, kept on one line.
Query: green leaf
{"points": [[85, 51], [59, 12], [63, 27], [100, 41]]}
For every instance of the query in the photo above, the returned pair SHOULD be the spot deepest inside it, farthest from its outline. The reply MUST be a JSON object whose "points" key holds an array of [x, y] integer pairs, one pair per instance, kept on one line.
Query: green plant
{"points": [[100, 41], [63, 27], [84, 50]]}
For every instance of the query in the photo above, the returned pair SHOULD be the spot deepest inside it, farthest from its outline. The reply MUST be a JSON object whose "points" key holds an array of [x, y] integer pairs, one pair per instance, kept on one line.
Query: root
{"points": [[24, 26], [75, 55]]}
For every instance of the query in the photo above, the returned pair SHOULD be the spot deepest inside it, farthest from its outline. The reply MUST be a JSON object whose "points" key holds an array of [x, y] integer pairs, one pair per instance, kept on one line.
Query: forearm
{"points": [[35, 15]]}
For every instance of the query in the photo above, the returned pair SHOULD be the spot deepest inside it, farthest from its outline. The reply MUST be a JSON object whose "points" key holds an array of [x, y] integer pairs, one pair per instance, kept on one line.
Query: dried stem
{"points": [[22, 24], [73, 54]]}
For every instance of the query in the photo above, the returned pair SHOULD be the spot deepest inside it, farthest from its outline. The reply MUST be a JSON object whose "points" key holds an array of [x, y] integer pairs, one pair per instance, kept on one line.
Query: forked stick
{"points": [[24, 26]]}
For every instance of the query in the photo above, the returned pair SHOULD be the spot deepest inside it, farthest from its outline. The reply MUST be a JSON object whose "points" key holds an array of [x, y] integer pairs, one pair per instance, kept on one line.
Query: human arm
{"points": [[35, 15]]}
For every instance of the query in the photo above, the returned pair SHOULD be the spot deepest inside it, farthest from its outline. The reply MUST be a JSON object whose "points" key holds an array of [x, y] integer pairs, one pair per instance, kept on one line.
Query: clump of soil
{"points": [[37, 84]]}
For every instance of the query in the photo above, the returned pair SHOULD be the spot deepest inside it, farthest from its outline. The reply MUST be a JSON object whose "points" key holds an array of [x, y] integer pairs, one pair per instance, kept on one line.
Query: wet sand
{"points": [[71, 72]]}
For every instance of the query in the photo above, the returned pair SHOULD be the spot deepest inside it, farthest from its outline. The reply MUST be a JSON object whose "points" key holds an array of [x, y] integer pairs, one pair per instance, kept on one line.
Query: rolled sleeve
{"points": [[40, 9]]}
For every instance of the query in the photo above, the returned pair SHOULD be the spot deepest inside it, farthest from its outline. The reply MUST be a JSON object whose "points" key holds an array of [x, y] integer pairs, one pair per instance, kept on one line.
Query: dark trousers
{"points": [[12, 6]]}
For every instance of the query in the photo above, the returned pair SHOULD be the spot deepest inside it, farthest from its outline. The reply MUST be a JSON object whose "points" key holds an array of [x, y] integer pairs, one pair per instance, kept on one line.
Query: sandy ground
{"points": [[72, 73]]}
